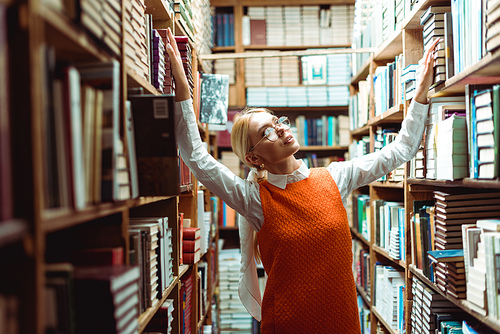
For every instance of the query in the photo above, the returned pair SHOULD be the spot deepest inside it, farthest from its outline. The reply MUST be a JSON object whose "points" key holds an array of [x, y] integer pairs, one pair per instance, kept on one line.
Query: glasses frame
{"points": [[279, 122]]}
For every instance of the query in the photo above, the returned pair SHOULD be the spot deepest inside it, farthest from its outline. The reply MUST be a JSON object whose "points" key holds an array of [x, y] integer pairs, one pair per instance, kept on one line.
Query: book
{"points": [[258, 32], [98, 256], [449, 255], [214, 99], [158, 164], [107, 295], [191, 233], [489, 224], [191, 258], [190, 246]]}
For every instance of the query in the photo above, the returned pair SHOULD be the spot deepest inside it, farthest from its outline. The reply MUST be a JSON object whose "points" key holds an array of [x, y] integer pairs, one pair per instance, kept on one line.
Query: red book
{"points": [[191, 246], [98, 256], [191, 258], [191, 233], [258, 32]]}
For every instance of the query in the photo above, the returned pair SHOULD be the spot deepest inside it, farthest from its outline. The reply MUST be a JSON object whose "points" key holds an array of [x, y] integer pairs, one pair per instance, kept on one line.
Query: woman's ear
{"points": [[252, 159]]}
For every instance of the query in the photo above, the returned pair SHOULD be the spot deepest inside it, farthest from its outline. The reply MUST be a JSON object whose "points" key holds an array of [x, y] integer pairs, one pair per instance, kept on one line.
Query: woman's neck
{"points": [[284, 167]]}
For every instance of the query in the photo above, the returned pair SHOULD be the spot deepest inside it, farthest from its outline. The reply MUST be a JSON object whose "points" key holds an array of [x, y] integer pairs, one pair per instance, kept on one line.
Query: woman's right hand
{"points": [[181, 83]]}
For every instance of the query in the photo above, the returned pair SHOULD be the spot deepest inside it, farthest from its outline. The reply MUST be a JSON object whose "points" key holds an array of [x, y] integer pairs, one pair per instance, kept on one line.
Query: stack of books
{"points": [[430, 309], [451, 148], [430, 135], [168, 86], [233, 315], [389, 295], [493, 26], [297, 96], [187, 57], [484, 133], [186, 296], [146, 234], [228, 67], [434, 27], [338, 69], [271, 71], [275, 27], [409, 81], [191, 244], [163, 319], [184, 16], [103, 20], [158, 60], [341, 24], [290, 70], [202, 24], [106, 299], [253, 72], [293, 25], [310, 23], [136, 31], [449, 273]]}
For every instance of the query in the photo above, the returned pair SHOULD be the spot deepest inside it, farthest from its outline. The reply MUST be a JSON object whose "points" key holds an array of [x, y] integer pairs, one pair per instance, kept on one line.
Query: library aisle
{"points": [[103, 228]]}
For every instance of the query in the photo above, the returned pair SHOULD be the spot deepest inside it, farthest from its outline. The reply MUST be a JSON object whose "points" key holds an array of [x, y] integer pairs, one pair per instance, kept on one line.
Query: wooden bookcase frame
{"points": [[32, 24], [408, 41]]}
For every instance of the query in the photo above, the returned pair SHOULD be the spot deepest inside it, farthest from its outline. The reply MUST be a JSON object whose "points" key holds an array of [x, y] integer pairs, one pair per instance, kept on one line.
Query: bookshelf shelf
{"points": [[294, 2], [159, 10], [217, 49], [330, 109], [293, 47], [364, 295], [486, 71], [465, 183], [393, 115], [146, 316], [69, 40], [362, 131], [384, 253], [391, 47], [381, 319], [136, 81], [388, 184], [363, 72], [360, 237], [462, 303], [57, 220], [322, 148]]}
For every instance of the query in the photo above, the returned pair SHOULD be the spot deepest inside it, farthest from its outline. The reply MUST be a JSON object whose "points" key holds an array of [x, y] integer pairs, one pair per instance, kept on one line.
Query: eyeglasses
{"points": [[270, 133]]}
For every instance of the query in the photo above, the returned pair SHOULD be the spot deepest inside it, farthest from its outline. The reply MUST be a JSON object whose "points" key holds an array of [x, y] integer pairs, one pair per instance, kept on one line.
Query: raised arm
{"points": [[236, 192], [368, 168]]}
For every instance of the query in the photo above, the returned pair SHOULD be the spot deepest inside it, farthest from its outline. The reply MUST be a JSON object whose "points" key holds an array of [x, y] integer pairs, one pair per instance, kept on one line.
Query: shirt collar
{"points": [[280, 180]]}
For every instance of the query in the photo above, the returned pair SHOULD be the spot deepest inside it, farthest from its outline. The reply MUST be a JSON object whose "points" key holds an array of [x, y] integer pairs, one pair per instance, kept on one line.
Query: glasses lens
{"points": [[284, 122], [271, 134]]}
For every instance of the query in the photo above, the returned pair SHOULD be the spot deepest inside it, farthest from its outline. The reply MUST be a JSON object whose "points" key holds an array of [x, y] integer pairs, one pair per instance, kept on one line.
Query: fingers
{"points": [[171, 43]]}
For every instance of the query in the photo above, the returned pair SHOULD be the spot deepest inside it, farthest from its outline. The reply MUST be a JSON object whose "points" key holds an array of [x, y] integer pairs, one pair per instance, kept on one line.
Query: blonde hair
{"points": [[241, 144], [240, 139]]}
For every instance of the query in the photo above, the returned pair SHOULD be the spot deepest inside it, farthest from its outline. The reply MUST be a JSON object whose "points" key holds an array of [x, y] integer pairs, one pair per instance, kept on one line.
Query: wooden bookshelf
{"points": [[39, 233], [407, 40]]}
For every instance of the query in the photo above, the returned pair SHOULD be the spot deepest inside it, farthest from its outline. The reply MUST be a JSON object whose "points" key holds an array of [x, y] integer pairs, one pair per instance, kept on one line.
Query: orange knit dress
{"points": [[305, 244]]}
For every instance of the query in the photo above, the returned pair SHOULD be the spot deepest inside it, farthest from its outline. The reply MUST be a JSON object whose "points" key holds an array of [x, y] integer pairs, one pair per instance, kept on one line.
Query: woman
{"points": [[298, 213]]}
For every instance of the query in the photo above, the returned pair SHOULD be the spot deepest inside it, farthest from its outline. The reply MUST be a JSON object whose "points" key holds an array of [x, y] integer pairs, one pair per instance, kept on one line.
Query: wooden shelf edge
{"points": [[363, 72], [379, 250], [364, 130], [389, 48], [359, 236], [394, 114], [159, 10], [462, 303], [323, 148], [134, 80], [388, 184], [364, 295], [147, 315], [54, 220], [465, 183], [381, 320]]}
